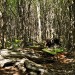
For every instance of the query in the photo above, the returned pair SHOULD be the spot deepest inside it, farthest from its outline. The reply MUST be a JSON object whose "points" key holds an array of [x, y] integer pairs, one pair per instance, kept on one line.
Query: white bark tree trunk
{"points": [[39, 22], [48, 28]]}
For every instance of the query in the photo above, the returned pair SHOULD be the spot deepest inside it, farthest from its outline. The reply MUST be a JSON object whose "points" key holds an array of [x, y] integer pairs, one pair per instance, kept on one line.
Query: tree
{"points": [[39, 21]]}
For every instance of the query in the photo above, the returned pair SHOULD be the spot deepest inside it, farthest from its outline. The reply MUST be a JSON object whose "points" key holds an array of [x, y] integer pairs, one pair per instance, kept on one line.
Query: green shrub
{"points": [[53, 51], [7, 44], [13, 44]]}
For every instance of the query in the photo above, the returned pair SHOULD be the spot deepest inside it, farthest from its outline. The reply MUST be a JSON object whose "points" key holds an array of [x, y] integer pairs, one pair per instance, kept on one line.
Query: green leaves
{"points": [[7, 44], [53, 51], [14, 43], [49, 51], [17, 41]]}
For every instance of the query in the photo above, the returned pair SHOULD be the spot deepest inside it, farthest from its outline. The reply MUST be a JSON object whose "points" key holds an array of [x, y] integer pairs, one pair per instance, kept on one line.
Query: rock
{"points": [[6, 63], [20, 65], [13, 53], [32, 66], [1, 58], [33, 73], [4, 52]]}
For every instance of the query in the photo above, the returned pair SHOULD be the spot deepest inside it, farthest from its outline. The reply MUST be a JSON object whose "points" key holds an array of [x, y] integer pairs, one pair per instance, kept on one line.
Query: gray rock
{"points": [[32, 66], [5, 62], [4, 52], [1, 58], [33, 73], [20, 65]]}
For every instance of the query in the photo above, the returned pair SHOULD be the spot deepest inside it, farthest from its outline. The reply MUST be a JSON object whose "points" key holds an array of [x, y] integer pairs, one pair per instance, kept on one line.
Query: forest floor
{"points": [[55, 65]]}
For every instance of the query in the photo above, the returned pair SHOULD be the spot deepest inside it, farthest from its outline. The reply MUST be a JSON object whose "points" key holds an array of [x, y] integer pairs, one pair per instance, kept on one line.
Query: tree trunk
{"points": [[39, 39]]}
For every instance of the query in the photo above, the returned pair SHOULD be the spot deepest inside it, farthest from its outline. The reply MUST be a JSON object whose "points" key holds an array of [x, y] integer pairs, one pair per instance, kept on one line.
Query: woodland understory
{"points": [[37, 37]]}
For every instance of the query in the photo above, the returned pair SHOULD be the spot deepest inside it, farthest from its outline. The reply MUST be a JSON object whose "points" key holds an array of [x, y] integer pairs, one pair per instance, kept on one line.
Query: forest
{"points": [[37, 37]]}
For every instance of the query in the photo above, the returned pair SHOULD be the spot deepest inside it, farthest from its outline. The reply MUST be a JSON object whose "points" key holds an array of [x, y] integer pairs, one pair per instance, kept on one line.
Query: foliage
{"points": [[38, 45], [7, 44], [53, 51], [14, 43]]}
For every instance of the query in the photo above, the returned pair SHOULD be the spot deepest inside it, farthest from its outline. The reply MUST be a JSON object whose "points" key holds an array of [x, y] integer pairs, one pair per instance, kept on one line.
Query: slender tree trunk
{"points": [[73, 9], [4, 17], [39, 39], [48, 29]]}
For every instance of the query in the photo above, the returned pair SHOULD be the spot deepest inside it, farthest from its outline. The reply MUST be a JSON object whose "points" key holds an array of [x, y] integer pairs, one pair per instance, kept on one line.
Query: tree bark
{"points": [[39, 39]]}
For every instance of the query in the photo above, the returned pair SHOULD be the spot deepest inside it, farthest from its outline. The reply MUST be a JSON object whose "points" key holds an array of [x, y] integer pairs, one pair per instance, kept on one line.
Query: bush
{"points": [[53, 51], [13, 44]]}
